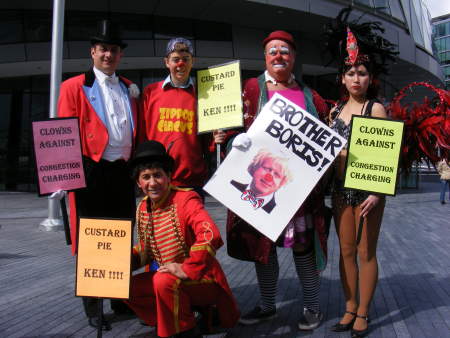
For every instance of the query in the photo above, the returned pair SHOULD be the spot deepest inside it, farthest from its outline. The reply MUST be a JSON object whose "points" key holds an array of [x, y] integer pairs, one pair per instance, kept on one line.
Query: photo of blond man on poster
{"points": [[269, 173]]}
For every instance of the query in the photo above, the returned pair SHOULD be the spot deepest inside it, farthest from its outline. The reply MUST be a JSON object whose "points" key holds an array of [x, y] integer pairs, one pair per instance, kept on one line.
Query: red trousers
{"points": [[165, 301]]}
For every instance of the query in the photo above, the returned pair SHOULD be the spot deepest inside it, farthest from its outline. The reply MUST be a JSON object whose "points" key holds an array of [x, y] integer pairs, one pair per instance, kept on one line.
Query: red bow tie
{"points": [[256, 202]]}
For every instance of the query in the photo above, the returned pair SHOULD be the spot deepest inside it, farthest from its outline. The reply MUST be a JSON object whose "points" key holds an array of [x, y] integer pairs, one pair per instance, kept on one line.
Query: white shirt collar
{"points": [[101, 77], [168, 80], [269, 78]]}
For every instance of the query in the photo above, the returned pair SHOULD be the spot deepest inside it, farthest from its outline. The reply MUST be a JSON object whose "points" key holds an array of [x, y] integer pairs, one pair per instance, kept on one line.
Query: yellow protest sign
{"points": [[373, 154], [219, 97], [104, 258]]}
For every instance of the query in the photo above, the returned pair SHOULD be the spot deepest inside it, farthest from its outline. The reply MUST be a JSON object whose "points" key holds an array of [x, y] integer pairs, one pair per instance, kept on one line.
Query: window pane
{"points": [[365, 2], [25, 176], [38, 26], [11, 28], [134, 27], [150, 76], [406, 5], [80, 26], [5, 102], [166, 28], [382, 6], [40, 84], [446, 58], [212, 31], [132, 75], [396, 10], [416, 30]]}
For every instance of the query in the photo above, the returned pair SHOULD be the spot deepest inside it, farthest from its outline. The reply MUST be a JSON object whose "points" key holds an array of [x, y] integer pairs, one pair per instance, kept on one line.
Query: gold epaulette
{"points": [[203, 247], [179, 188]]}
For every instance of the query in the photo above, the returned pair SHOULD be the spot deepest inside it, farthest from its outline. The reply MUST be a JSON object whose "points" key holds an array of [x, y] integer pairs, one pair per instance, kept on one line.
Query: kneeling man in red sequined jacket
{"points": [[176, 231]]}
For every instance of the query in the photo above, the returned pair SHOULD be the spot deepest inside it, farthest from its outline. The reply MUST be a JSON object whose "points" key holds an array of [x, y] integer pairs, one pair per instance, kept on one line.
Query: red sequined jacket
{"points": [[198, 236]]}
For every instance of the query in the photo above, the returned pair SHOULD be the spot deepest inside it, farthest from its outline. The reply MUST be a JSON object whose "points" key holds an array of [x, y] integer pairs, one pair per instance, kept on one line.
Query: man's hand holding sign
{"points": [[219, 97], [219, 100]]}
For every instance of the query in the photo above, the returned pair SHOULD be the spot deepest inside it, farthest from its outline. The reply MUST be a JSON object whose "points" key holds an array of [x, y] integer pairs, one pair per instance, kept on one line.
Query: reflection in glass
{"points": [[11, 28], [134, 26], [382, 6], [416, 31], [365, 2], [38, 26], [80, 26], [396, 10], [167, 27]]}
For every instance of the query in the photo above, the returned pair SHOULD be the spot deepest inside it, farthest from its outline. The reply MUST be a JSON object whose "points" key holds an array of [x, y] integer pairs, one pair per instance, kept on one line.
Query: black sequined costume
{"points": [[346, 196]]}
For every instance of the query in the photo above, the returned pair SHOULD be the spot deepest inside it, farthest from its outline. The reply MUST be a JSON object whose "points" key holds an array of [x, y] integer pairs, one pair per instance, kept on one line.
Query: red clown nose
{"points": [[180, 63], [268, 177]]}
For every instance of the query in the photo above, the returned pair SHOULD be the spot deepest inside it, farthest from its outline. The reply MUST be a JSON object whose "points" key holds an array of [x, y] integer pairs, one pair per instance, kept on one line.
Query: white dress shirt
{"points": [[117, 119]]}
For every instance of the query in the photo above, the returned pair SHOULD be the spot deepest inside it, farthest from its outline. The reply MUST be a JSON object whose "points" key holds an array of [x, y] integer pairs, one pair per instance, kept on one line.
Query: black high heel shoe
{"points": [[361, 333], [338, 327]]}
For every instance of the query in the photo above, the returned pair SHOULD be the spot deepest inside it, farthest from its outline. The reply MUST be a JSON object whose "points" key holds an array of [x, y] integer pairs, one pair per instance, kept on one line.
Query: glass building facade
{"points": [[25, 99], [441, 36], [413, 13], [221, 31]]}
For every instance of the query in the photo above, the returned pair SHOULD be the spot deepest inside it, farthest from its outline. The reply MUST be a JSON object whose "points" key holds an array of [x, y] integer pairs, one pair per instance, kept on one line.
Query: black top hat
{"points": [[150, 151], [107, 32]]}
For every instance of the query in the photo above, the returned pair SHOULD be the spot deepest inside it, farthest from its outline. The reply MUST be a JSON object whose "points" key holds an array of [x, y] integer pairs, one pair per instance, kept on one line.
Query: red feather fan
{"points": [[427, 126]]}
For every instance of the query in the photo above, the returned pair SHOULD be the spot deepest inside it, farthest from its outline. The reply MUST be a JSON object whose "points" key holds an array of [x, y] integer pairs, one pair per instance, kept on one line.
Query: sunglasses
{"points": [[273, 51]]}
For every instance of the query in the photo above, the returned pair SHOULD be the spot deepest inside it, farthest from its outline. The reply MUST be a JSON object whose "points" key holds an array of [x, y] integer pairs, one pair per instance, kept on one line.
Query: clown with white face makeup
{"points": [[280, 59], [307, 226]]}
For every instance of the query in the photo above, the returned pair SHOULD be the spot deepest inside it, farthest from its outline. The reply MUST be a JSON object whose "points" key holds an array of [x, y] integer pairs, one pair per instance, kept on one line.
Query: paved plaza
{"points": [[37, 274]]}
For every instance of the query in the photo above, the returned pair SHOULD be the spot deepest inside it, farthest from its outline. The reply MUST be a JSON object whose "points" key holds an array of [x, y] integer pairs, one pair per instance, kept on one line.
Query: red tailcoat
{"points": [[81, 97]]}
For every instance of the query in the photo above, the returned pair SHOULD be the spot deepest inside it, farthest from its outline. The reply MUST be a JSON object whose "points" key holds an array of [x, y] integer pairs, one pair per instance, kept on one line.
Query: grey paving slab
{"points": [[412, 298]]}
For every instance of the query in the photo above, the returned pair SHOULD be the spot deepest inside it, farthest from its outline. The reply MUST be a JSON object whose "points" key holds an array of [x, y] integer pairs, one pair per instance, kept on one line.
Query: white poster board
{"points": [[266, 185]]}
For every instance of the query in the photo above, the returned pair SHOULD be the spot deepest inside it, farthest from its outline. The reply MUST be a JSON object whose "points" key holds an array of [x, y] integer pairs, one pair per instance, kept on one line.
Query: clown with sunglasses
{"points": [[306, 233]]}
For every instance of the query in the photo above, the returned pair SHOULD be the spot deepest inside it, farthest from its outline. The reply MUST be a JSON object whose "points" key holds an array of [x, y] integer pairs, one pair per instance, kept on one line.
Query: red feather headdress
{"points": [[427, 126]]}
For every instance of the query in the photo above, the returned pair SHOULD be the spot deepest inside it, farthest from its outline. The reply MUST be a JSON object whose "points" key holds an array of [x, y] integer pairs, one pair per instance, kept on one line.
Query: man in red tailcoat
{"points": [[106, 107]]}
